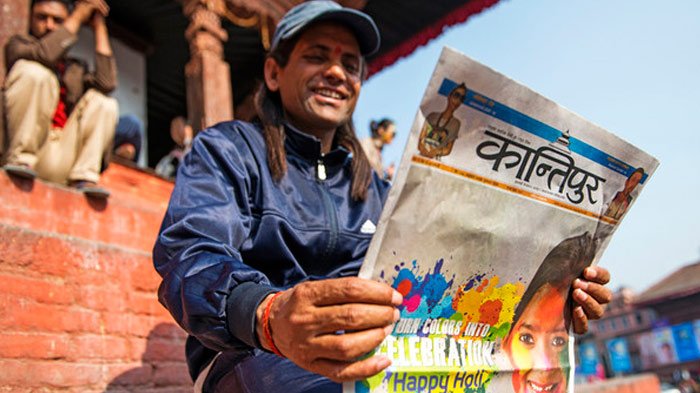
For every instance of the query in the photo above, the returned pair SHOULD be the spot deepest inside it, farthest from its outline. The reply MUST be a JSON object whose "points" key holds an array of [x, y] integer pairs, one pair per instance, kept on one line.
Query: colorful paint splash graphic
{"points": [[446, 332]]}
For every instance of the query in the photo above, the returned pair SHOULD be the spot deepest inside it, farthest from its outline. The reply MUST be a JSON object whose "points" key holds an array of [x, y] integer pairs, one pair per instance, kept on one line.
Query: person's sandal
{"points": [[89, 188], [20, 170]]}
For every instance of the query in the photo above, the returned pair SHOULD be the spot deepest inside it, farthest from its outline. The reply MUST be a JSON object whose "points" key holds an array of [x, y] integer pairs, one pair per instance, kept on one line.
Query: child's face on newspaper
{"points": [[537, 342]]}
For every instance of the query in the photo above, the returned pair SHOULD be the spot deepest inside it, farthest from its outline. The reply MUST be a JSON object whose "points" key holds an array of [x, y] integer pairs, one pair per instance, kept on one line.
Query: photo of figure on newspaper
{"points": [[623, 198], [441, 129]]}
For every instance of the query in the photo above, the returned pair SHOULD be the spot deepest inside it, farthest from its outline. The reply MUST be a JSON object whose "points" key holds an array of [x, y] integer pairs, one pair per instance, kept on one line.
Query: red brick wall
{"points": [[78, 290]]}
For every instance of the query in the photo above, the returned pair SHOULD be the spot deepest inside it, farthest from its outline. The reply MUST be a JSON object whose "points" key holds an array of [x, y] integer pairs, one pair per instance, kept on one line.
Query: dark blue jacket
{"points": [[232, 235]]}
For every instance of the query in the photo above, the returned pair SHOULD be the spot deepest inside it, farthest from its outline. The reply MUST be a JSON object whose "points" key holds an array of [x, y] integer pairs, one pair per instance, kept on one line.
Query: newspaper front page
{"points": [[502, 198]]}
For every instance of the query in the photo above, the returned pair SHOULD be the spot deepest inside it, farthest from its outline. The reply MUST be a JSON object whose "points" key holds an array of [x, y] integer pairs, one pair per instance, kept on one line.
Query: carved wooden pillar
{"points": [[209, 98]]}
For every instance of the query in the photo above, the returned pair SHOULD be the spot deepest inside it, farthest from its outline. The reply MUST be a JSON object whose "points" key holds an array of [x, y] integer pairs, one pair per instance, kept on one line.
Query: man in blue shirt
{"points": [[266, 228]]}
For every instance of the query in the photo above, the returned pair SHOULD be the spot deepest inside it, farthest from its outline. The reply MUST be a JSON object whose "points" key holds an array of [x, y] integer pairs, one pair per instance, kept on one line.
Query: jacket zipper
{"points": [[320, 170], [328, 205]]}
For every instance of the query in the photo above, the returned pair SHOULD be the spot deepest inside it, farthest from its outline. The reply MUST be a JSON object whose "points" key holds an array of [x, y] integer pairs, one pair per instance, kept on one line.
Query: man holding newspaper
{"points": [[269, 223]]}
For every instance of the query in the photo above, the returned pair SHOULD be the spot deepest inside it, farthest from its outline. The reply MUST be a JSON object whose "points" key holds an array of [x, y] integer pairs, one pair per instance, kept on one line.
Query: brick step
{"points": [[130, 218], [78, 291]]}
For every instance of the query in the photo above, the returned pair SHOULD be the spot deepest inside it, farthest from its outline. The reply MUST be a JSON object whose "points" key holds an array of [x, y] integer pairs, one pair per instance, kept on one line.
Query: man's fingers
{"points": [[597, 274], [599, 292], [84, 6], [98, 5], [355, 317], [89, 7], [102, 7], [591, 294], [349, 346], [345, 371], [591, 307], [304, 321], [580, 320], [348, 290]]}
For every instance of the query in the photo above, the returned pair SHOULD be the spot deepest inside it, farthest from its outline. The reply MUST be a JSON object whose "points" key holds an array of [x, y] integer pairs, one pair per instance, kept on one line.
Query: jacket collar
{"points": [[308, 147]]}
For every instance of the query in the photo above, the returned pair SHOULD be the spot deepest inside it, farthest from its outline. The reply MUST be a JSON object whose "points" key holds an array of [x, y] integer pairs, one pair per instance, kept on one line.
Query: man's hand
{"points": [[324, 326], [85, 9], [99, 27], [97, 21], [84, 12], [590, 295]]}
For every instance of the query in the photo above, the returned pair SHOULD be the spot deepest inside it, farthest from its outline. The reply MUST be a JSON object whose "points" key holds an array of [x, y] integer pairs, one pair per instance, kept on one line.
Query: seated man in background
{"points": [[128, 138], [182, 135], [59, 120]]}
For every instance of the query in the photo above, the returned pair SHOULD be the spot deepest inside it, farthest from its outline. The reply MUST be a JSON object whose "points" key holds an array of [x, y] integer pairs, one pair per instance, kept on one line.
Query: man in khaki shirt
{"points": [[60, 123]]}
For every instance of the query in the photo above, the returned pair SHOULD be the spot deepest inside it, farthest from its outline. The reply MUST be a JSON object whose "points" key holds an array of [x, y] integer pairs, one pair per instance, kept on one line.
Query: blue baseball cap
{"points": [[302, 15]]}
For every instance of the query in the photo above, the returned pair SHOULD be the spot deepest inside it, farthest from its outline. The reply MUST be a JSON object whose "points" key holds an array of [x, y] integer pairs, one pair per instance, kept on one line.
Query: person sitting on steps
{"points": [[60, 121]]}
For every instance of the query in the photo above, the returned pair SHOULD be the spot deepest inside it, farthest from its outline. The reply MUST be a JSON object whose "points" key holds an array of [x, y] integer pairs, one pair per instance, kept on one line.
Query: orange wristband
{"points": [[266, 325]]}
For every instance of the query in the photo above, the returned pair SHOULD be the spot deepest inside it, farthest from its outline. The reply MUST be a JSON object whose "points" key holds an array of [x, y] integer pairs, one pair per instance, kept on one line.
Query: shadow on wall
{"points": [[163, 367]]}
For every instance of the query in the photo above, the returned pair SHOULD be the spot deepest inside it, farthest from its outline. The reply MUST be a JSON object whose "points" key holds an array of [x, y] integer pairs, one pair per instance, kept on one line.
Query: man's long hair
{"points": [[270, 113]]}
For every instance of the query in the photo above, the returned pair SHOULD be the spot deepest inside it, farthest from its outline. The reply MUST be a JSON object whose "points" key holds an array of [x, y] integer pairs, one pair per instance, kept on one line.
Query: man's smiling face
{"points": [[320, 84]]}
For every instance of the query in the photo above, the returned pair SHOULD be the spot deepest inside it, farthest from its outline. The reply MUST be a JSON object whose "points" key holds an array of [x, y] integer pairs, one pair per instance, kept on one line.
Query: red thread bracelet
{"points": [[266, 325]]}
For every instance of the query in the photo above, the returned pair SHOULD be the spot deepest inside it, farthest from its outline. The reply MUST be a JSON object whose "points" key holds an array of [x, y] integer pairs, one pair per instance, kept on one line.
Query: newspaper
{"points": [[502, 198]]}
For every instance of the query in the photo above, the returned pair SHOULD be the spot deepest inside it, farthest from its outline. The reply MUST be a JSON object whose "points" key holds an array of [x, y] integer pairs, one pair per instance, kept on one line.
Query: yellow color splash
{"points": [[469, 303]]}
